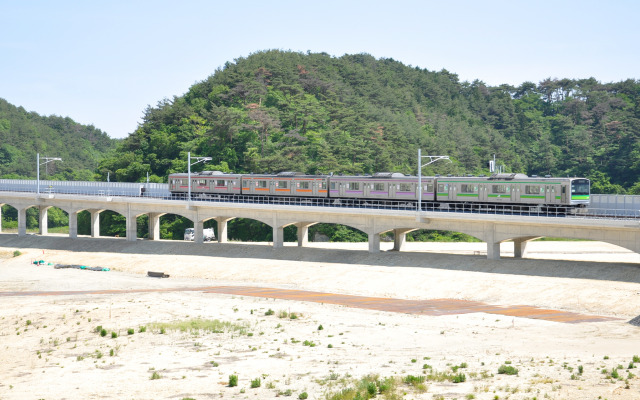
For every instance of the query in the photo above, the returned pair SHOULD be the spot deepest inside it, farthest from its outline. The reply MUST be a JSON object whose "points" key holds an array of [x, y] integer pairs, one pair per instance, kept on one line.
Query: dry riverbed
{"points": [[181, 344]]}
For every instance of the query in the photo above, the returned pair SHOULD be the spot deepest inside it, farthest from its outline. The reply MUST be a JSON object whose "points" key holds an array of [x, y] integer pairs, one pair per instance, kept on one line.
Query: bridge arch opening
{"points": [[8, 218]]}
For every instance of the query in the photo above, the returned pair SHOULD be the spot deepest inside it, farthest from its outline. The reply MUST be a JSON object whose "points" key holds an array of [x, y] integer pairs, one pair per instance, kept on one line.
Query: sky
{"points": [[104, 62]]}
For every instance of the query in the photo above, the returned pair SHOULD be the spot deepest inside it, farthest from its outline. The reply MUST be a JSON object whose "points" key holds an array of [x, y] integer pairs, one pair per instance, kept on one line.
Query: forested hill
{"points": [[278, 110], [24, 134]]}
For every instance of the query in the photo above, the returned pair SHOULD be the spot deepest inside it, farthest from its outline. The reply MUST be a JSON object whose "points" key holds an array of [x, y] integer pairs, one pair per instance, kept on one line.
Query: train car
{"points": [[515, 189], [286, 184], [206, 184], [382, 185]]}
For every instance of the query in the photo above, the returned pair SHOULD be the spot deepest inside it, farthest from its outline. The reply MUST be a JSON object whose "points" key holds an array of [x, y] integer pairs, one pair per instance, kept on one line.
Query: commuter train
{"points": [[515, 191]]}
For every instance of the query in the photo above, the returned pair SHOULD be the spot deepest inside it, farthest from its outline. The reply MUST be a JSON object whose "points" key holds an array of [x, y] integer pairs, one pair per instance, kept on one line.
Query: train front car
{"points": [[580, 193]]}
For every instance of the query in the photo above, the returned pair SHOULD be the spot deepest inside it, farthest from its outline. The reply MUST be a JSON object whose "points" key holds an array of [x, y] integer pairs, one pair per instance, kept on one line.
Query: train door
{"points": [[515, 192], [549, 194], [452, 191], [564, 194], [482, 192]]}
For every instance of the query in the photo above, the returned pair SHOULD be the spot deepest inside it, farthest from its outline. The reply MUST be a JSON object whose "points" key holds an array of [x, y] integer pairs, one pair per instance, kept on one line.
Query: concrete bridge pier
{"points": [[1, 217], [303, 233], [222, 228], [22, 221], [73, 224], [399, 237], [198, 235], [154, 226], [43, 222], [374, 242], [95, 222], [132, 228], [278, 236]]}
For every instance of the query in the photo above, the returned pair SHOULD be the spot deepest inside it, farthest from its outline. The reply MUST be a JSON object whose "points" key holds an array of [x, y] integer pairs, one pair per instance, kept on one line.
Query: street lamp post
{"points": [[198, 159], [432, 160], [46, 161]]}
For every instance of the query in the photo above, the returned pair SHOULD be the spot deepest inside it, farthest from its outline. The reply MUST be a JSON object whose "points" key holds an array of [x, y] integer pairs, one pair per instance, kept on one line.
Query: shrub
{"points": [[17, 253], [459, 378], [142, 329], [233, 380], [507, 370], [269, 312], [303, 396], [130, 331], [413, 380], [255, 383], [155, 375], [636, 359], [103, 332], [99, 328], [114, 335], [320, 327], [580, 369]]}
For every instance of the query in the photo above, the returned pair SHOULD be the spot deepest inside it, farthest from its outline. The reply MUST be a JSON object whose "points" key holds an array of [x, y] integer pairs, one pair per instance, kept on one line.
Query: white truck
{"points": [[207, 234]]}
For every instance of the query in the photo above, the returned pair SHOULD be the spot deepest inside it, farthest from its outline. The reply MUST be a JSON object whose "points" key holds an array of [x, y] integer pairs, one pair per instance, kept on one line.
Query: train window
{"points": [[354, 185], [533, 189], [185, 182], [430, 187], [499, 189], [261, 184], [304, 185], [378, 186], [443, 187], [405, 187], [220, 182], [282, 184], [468, 188], [202, 182], [323, 185], [333, 185], [245, 184]]}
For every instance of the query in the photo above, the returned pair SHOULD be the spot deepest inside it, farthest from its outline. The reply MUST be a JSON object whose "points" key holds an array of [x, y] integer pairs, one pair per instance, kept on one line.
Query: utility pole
{"points": [[432, 159], [198, 159], [46, 161]]}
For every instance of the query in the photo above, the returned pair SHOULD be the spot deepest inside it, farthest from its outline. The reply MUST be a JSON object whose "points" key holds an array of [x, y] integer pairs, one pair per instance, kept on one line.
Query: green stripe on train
{"points": [[528, 196], [579, 197], [501, 196], [467, 195]]}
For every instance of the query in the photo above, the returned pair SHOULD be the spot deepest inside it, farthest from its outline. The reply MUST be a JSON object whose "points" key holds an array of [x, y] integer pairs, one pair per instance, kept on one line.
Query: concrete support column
{"points": [[73, 225], [278, 237], [22, 222], [95, 223], [198, 235], [303, 233], [222, 228], [519, 248], [493, 247], [43, 223], [1, 217], [399, 237], [154, 226], [374, 242], [132, 227], [493, 251]]}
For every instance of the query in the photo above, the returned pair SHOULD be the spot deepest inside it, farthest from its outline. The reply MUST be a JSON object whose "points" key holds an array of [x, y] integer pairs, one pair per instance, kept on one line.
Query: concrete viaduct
{"points": [[492, 229]]}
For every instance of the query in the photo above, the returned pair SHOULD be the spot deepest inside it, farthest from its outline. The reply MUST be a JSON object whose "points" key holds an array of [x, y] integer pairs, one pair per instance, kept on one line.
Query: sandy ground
{"points": [[49, 347]]}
